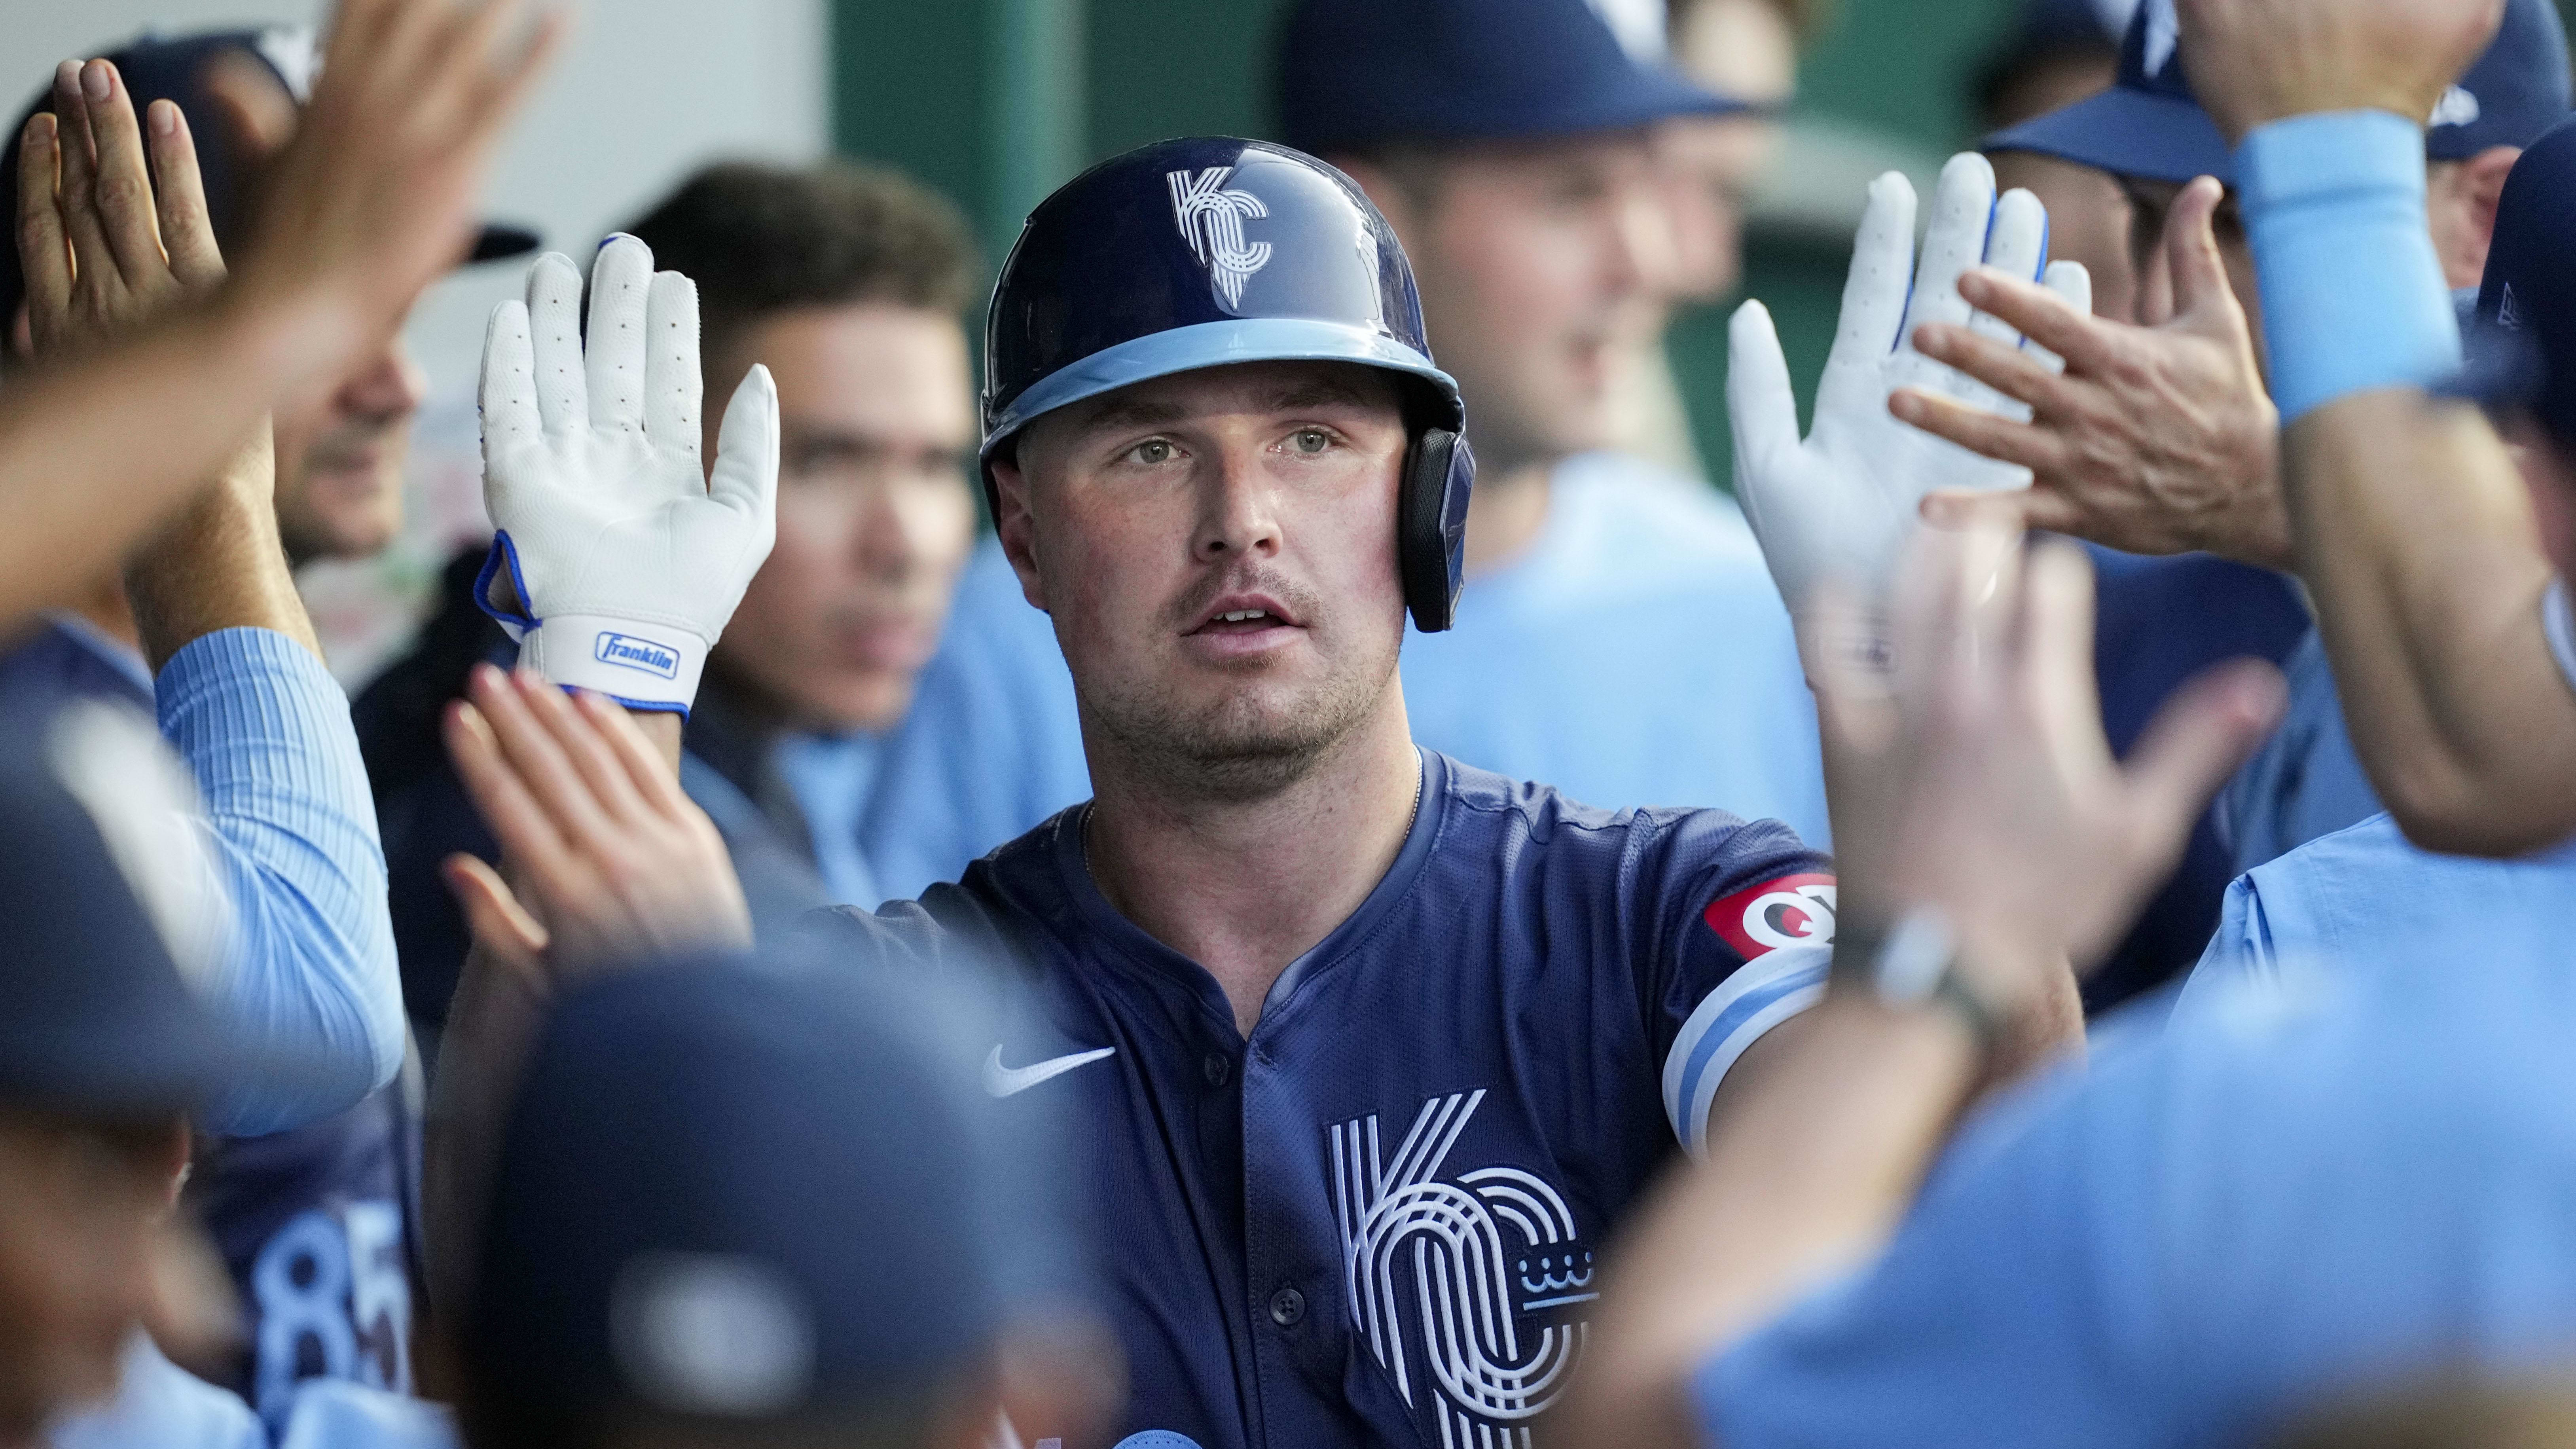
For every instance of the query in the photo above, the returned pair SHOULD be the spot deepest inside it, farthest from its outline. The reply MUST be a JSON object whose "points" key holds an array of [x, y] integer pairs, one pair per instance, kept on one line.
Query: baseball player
{"points": [[1371, 1048]]}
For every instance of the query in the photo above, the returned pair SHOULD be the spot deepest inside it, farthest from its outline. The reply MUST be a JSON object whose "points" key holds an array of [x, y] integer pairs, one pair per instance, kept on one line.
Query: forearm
{"points": [[310, 966], [490, 1026], [663, 729], [95, 454], [1813, 1158], [2417, 542], [219, 564]]}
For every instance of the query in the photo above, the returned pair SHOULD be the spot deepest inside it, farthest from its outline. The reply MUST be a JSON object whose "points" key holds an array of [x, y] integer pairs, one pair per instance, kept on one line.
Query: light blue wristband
{"points": [[2353, 294]]}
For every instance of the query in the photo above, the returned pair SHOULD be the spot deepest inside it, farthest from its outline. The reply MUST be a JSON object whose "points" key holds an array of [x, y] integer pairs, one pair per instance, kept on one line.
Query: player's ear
{"points": [[1015, 524]]}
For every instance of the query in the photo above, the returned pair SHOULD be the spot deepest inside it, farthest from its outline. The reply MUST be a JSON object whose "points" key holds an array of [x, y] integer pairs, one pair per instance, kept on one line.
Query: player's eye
{"points": [[1310, 441], [1153, 452]]}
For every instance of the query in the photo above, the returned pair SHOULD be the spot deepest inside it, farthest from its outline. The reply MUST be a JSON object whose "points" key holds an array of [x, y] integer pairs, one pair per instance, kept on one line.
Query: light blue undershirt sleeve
{"points": [[310, 971], [2353, 293]]}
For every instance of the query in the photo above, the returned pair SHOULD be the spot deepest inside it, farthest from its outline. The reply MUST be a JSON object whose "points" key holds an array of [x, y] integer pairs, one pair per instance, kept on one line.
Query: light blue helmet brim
{"points": [[1217, 344]]}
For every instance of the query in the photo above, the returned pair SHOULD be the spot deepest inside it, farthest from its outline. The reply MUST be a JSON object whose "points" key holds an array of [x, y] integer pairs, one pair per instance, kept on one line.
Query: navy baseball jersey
{"points": [[1375, 1221]]}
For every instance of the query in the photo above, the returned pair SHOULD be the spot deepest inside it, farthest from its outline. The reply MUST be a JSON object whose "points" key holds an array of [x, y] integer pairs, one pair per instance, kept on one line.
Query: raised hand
{"points": [[112, 227], [614, 863], [1976, 780], [374, 196], [2155, 440], [2257, 61], [1842, 503], [620, 558]]}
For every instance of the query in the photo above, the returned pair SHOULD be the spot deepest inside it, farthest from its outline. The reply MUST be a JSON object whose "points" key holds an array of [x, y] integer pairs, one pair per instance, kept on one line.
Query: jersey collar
{"points": [[1095, 916]]}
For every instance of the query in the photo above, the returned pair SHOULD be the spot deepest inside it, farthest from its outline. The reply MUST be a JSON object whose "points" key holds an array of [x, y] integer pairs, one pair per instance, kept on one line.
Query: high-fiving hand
{"points": [[1974, 780], [112, 229], [2257, 61], [1841, 504], [373, 199], [2157, 439], [619, 559]]}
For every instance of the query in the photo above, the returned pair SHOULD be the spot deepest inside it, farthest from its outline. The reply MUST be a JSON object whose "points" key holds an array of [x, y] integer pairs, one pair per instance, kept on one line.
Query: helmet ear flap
{"points": [[1431, 524]]}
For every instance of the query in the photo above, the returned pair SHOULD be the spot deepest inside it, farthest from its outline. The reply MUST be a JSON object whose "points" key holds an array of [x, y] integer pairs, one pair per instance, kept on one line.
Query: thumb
{"points": [[2194, 743], [498, 922], [1761, 406], [746, 473], [2198, 272]]}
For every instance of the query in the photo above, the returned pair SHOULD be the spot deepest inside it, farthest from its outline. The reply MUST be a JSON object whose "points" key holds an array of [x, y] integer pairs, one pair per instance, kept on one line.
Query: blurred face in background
{"points": [[1745, 50], [1529, 257], [875, 513], [339, 463], [81, 1210]]}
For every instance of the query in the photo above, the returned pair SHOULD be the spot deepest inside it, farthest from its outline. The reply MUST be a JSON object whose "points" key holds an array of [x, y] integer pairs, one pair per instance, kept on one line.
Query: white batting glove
{"points": [[1842, 504], [622, 557]]}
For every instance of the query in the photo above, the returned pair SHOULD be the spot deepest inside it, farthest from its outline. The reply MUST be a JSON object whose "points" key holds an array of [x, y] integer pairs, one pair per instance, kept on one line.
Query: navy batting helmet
{"points": [[1211, 251]]}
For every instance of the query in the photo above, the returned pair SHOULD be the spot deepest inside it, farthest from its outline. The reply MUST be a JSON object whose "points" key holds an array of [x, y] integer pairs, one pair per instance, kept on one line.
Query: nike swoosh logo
{"points": [[1002, 1081]]}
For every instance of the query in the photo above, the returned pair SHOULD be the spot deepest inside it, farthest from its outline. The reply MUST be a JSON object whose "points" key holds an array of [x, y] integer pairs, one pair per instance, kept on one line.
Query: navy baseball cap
{"points": [[749, 1193], [175, 68], [105, 951], [2150, 125], [1356, 74], [2522, 345]]}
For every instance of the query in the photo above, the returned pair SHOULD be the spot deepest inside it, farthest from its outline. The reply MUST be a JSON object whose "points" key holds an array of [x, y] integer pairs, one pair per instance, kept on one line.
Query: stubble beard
{"points": [[1238, 749]]}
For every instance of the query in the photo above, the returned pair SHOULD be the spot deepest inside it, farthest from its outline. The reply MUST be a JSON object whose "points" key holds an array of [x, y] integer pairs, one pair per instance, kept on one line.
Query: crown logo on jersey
{"points": [[1481, 1251], [2458, 107], [2509, 310], [1211, 219]]}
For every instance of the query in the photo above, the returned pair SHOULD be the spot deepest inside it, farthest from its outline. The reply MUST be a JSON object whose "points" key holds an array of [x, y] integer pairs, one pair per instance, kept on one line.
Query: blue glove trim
{"points": [[650, 706], [503, 551], [2353, 294]]}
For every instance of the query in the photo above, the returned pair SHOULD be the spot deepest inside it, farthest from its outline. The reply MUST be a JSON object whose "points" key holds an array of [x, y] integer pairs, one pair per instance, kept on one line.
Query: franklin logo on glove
{"points": [[637, 653]]}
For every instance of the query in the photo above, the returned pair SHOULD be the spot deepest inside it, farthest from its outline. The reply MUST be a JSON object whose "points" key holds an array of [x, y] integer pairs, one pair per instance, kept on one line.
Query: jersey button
{"points": [[1217, 1069], [1287, 1307]]}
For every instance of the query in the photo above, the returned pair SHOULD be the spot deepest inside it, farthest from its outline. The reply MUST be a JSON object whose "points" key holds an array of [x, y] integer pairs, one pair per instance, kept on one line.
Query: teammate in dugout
{"points": [[1372, 1048]]}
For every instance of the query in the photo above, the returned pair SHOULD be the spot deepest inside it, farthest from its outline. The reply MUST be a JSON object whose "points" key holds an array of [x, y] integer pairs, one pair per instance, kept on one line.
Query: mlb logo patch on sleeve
{"points": [[1789, 910]]}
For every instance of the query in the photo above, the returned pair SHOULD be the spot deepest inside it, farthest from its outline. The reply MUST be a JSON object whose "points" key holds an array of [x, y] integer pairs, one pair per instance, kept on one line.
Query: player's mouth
{"points": [[1243, 624]]}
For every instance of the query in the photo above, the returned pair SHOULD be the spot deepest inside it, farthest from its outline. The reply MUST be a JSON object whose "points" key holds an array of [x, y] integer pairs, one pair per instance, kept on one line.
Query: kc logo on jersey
{"points": [[1791, 910], [1212, 218], [1441, 1273]]}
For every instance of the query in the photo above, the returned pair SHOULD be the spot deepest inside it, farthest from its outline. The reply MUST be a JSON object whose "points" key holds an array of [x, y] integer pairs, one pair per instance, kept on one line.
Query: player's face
{"points": [[1218, 552], [1533, 263], [875, 516], [340, 464], [80, 1207], [1708, 164]]}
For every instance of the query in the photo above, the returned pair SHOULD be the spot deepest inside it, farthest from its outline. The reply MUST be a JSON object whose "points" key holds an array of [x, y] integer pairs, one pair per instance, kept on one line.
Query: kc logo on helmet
{"points": [[1211, 218], [629, 652], [1790, 910]]}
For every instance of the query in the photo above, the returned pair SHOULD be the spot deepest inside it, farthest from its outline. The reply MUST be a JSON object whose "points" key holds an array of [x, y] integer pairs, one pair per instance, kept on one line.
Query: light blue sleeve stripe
{"points": [[1729, 1021], [310, 970]]}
